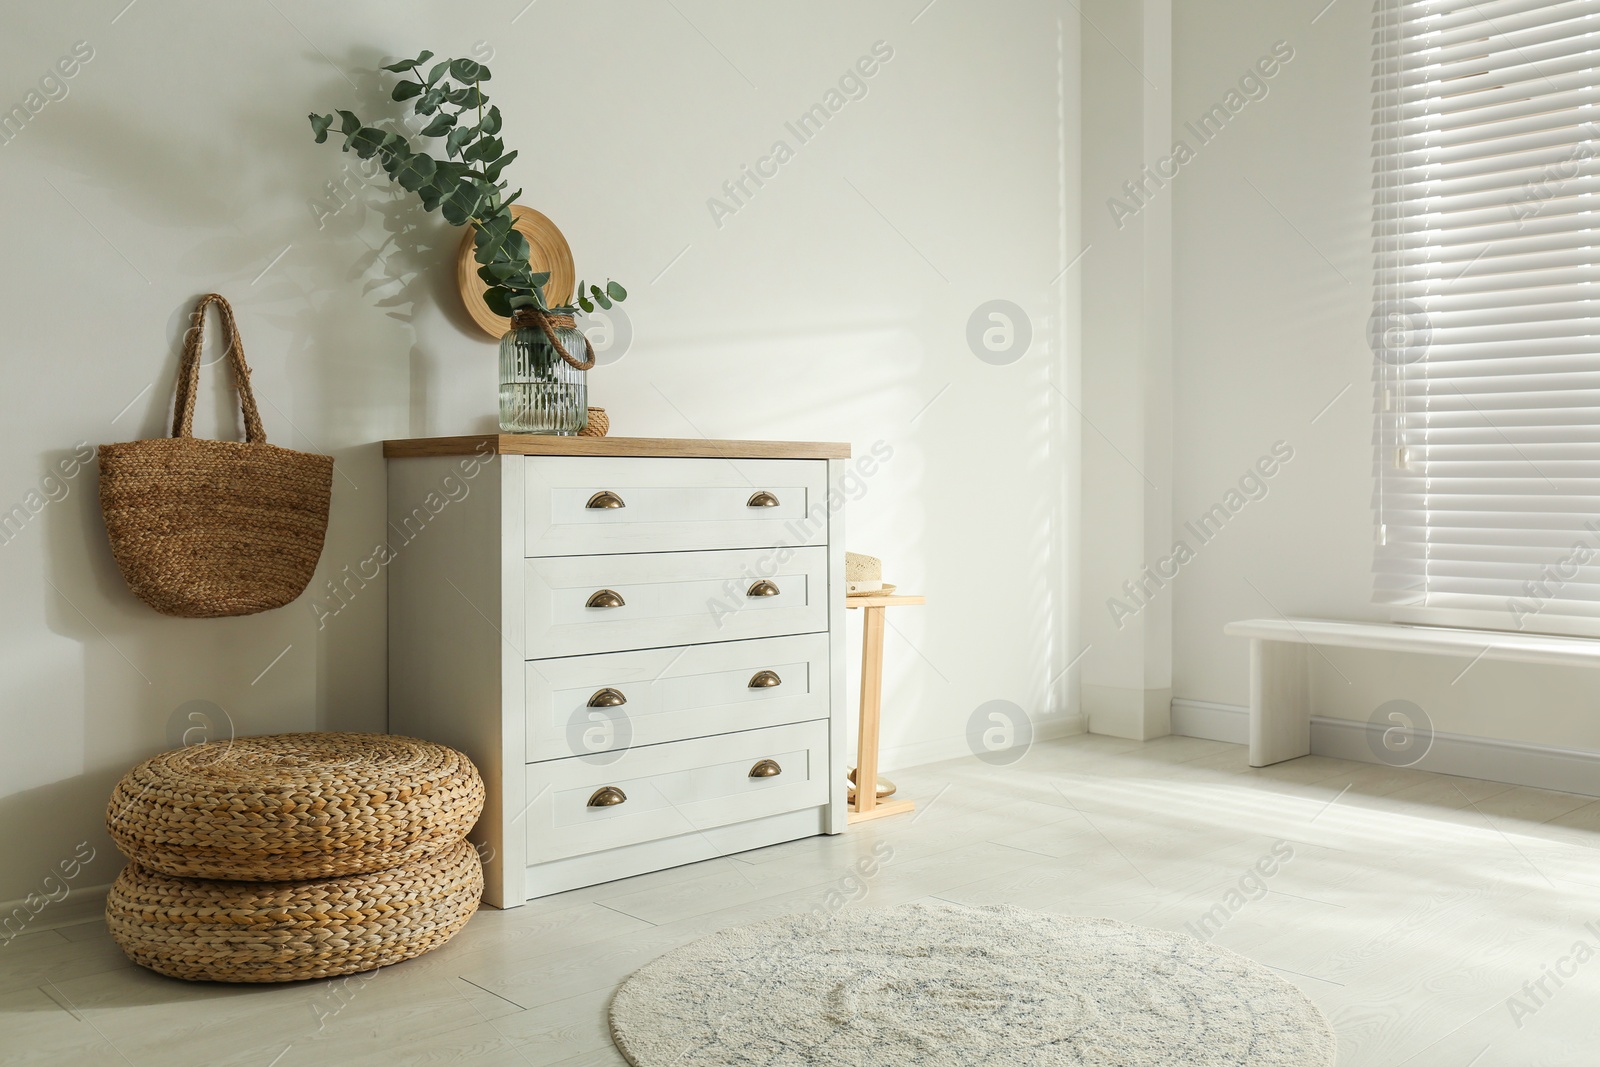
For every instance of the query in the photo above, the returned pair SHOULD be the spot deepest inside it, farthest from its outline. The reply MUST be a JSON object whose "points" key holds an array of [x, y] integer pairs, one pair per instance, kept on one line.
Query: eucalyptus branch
{"points": [[465, 186]]}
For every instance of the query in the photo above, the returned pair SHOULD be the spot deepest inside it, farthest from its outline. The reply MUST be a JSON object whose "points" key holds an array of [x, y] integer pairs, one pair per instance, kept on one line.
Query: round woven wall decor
{"points": [[212, 931], [548, 251], [294, 806]]}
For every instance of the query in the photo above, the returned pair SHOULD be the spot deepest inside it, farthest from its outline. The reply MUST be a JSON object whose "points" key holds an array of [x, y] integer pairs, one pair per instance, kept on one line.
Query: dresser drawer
{"points": [[586, 505], [596, 706], [659, 600], [673, 789]]}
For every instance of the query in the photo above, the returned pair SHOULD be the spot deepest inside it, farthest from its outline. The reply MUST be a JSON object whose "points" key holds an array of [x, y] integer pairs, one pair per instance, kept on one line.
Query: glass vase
{"points": [[539, 391]]}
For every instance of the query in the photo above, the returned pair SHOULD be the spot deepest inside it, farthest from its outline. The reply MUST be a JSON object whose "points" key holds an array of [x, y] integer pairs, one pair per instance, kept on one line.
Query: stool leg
{"points": [[871, 708]]}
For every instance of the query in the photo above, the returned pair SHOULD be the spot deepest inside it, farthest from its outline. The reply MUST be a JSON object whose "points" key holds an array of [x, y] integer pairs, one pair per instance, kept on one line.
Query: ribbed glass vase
{"points": [[539, 391]]}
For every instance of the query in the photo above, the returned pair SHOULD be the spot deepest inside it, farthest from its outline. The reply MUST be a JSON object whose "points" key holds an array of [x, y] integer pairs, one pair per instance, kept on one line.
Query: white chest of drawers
{"points": [[638, 642]]}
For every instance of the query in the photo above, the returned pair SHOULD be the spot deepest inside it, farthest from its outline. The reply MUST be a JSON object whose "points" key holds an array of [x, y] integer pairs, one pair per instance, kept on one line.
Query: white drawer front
{"points": [[672, 504], [672, 598], [597, 706], [674, 789]]}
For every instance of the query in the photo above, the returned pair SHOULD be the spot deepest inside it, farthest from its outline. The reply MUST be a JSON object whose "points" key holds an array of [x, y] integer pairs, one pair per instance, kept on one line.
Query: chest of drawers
{"points": [[638, 642]]}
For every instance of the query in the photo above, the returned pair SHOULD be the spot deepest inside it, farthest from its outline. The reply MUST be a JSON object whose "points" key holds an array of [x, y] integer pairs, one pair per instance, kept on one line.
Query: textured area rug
{"points": [[939, 985]]}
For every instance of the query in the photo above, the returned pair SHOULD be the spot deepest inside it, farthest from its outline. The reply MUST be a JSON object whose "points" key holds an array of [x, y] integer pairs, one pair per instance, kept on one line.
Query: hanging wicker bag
{"points": [[206, 528]]}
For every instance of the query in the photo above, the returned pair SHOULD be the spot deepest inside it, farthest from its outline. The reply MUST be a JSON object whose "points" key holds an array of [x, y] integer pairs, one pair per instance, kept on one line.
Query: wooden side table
{"points": [[866, 805]]}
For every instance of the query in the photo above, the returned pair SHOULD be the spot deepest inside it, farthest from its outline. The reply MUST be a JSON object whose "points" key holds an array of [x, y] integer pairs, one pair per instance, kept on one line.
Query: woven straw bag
{"points": [[207, 528]]}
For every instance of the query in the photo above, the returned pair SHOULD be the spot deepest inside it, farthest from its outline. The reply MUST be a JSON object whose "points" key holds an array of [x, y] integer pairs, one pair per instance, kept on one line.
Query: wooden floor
{"points": [[1413, 909]]}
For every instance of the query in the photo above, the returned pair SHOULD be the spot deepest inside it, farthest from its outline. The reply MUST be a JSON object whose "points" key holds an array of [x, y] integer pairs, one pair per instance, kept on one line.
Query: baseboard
{"points": [[1134, 714], [83, 904], [1568, 770], [938, 750], [1214, 722]]}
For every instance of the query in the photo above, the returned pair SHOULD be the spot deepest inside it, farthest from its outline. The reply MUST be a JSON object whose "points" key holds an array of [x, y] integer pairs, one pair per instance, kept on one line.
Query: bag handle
{"points": [[189, 372]]}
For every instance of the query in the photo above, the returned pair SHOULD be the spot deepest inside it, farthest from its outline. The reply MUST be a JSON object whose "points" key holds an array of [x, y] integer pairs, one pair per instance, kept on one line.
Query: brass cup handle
{"points": [[605, 499], [605, 598], [765, 680], [762, 499], [762, 588], [767, 768], [607, 698], [608, 797]]}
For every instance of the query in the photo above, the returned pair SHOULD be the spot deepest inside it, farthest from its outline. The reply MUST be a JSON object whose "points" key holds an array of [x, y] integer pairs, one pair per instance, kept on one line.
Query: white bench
{"points": [[1280, 678]]}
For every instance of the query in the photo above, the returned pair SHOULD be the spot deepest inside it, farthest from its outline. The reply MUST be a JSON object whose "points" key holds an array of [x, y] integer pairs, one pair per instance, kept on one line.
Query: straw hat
{"points": [[863, 576]]}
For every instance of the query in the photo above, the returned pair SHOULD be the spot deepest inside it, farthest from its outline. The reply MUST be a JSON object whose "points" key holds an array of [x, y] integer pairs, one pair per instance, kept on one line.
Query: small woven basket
{"points": [[294, 806], [207, 528], [599, 424], [288, 931]]}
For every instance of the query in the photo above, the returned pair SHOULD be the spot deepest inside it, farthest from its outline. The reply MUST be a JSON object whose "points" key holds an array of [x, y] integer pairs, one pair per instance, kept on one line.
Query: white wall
{"points": [[1126, 420], [1273, 289], [833, 305]]}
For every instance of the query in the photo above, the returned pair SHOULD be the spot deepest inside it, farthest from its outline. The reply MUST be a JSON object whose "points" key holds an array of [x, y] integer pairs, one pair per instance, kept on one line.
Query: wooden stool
{"points": [[866, 805]]}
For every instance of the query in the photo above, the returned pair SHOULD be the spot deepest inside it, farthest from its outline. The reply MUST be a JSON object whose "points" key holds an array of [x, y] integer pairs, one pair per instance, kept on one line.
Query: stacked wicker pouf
{"points": [[274, 859]]}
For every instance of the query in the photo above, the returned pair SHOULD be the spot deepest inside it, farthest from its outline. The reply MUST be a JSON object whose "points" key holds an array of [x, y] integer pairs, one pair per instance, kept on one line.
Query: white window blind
{"points": [[1486, 324]]}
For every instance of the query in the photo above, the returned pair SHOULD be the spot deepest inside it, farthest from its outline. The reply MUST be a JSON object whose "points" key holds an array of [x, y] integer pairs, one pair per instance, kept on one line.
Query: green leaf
{"points": [[429, 101], [348, 123], [442, 122], [491, 121], [526, 300], [616, 292], [492, 172], [465, 70], [517, 246], [438, 71], [600, 298], [446, 177], [456, 139], [495, 226], [468, 97], [462, 203], [409, 64], [586, 304], [499, 301], [406, 90], [486, 150], [539, 279], [366, 141], [496, 273], [319, 126], [415, 171]]}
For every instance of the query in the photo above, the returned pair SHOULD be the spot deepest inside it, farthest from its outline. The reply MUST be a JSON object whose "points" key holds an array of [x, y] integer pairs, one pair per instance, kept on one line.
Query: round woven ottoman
{"points": [[217, 931], [294, 806]]}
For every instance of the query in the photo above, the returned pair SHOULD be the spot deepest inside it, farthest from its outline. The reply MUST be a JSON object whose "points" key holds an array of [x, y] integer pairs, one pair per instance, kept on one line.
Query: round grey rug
{"points": [[949, 985]]}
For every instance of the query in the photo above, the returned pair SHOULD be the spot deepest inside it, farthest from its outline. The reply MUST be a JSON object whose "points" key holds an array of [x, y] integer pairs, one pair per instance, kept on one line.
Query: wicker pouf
{"points": [[294, 806], [285, 931]]}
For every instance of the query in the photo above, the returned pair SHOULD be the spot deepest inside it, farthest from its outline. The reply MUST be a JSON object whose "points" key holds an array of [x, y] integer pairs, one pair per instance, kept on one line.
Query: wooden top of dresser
{"points": [[520, 444]]}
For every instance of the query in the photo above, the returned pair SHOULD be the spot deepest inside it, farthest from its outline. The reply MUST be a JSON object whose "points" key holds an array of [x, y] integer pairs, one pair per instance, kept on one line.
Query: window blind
{"points": [[1486, 324]]}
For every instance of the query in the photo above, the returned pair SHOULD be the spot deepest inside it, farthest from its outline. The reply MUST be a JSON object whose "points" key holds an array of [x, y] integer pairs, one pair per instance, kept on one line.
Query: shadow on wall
{"points": [[247, 202]]}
